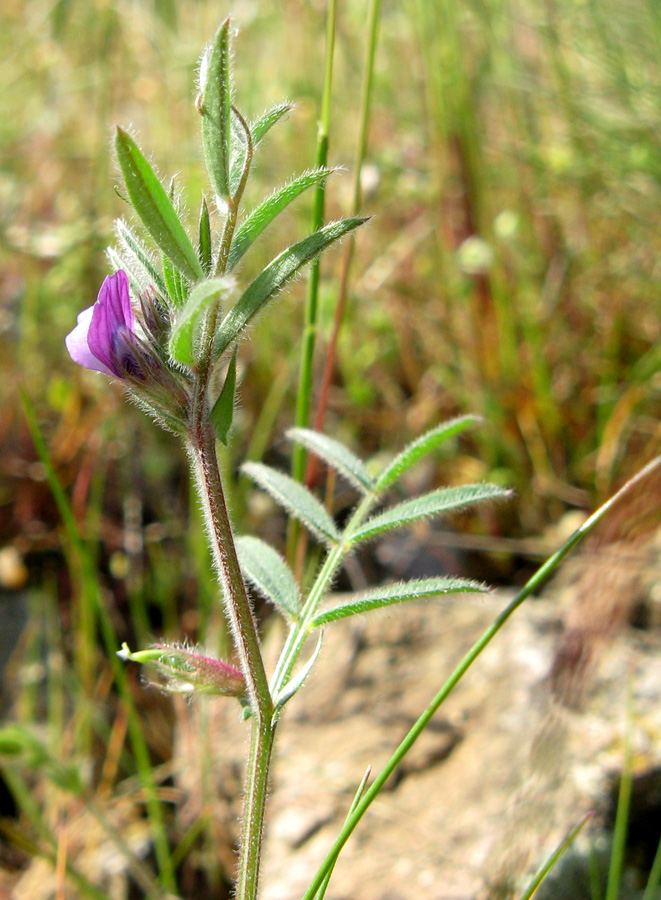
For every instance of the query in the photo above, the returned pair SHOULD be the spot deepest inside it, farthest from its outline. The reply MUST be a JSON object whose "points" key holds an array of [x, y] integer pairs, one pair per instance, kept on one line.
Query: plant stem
{"points": [[239, 612]]}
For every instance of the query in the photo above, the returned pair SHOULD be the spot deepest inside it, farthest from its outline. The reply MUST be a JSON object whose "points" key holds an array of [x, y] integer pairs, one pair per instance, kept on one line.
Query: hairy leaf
{"points": [[151, 202], [274, 278], [173, 283], [204, 250], [215, 107], [267, 120], [266, 212], [132, 245], [420, 447], [222, 412], [269, 573], [295, 498], [182, 338], [432, 504], [401, 592], [336, 455]]}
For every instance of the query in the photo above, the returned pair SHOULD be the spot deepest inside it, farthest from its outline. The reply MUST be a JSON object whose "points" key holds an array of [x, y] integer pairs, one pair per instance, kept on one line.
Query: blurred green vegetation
{"points": [[511, 268]]}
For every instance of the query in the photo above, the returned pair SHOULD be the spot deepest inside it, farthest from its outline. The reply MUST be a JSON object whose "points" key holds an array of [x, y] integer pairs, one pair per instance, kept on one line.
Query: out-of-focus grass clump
{"points": [[511, 269]]}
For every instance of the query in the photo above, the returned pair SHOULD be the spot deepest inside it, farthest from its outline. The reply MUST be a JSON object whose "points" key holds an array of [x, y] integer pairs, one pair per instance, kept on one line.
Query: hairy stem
{"points": [[202, 448]]}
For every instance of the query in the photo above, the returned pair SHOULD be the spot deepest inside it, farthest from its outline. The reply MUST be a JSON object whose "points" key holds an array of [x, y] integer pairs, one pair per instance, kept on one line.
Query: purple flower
{"points": [[104, 334]]}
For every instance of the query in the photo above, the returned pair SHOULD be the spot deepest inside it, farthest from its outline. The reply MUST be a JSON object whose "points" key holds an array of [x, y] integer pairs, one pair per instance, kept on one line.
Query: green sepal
{"points": [[274, 278], [155, 209], [222, 412], [216, 109], [204, 249], [267, 571], [295, 498], [182, 339], [387, 595], [432, 504], [266, 212]]}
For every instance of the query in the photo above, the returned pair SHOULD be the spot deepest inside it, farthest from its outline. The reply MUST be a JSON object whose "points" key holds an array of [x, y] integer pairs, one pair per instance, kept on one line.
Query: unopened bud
{"points": [[188, 671]]}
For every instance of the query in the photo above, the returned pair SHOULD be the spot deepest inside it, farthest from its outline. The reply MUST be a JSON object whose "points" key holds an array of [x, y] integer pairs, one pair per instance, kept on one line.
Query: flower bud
{"points": [[188, 671]]}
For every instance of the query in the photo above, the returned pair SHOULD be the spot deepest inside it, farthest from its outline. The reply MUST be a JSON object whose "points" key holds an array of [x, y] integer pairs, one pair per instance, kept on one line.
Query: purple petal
{"points": [[76, 343], [112, 315]]}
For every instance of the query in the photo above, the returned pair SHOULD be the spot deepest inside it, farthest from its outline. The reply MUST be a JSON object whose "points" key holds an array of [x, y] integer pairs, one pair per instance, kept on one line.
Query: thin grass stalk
{"points": [[361, 151], [308, 342], [654, 880], [621, 828], [533, 584], [553, 859]]}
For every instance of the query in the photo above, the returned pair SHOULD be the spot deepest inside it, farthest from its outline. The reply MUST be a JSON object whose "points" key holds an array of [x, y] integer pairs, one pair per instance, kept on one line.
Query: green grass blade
{"points": [[267, 120], [359, 793], [266, 212], [432, 504], [274, 278], [222, 412], [216, 109], [555, 856], [295, 498], [152, 204], [652, 887], [621, 826], [336, 455], [269, 573], [421, 447], [421, 589], [304, 390], [182, 338]]}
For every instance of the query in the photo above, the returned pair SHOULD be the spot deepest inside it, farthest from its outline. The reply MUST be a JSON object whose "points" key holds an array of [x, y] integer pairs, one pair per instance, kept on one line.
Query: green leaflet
{"points": [[132, 246], [152, 204], [267, 120], [216, 109], [222, 412], [182, 338], [431, 504], [420, 447], [172, 278], [295, 498], [395, 593], [275, 276], [204, 250], [269, 573], [266, 212], [336, 455]]}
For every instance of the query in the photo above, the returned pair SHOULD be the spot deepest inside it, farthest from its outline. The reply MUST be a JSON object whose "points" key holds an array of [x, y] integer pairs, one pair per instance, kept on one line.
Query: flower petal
{"points": [[112, 315], [76, 344]]}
